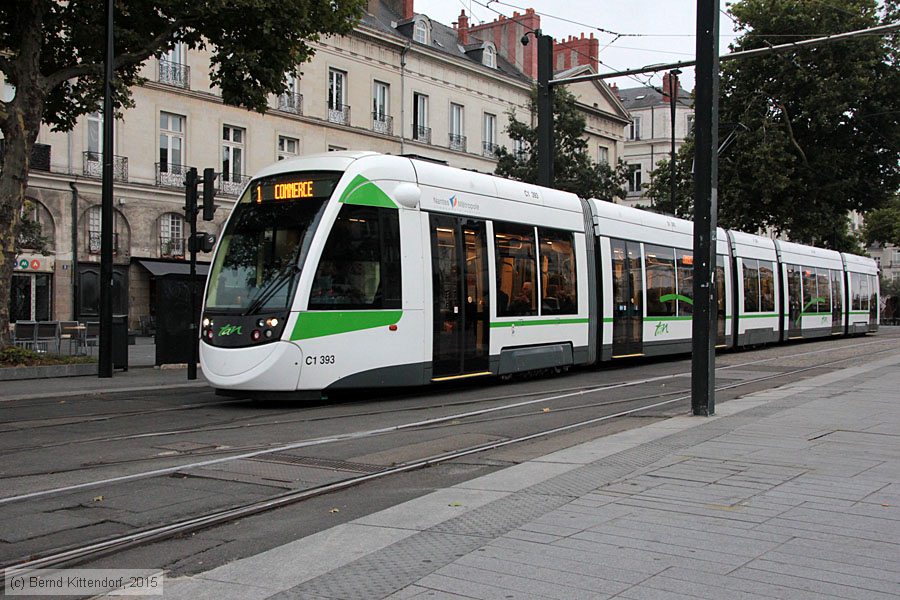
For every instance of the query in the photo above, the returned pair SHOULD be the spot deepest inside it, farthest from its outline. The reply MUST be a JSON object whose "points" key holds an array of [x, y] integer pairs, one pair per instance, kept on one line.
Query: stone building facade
{"points": [[400, 83]]}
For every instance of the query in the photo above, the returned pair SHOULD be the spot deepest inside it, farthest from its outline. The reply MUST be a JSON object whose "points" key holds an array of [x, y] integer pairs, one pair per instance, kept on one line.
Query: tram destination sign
{"points": [[295, 186]]}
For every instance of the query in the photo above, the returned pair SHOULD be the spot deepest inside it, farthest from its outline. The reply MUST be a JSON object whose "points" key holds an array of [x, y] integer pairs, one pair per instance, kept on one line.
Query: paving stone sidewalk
{"points": [[792, 493]]}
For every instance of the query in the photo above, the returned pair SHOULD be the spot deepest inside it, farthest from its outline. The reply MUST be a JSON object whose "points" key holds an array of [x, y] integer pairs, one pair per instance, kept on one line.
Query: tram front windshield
{"points": [[258, 262]]}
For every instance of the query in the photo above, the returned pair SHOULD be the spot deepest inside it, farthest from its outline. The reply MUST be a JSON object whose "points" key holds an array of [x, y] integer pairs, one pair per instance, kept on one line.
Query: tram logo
{"points": [[229, 329], [661, 329], [455, 203]]}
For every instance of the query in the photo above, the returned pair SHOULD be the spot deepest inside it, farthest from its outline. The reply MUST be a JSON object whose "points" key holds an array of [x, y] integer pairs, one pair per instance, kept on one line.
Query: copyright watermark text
{"points": [[80, 582]]}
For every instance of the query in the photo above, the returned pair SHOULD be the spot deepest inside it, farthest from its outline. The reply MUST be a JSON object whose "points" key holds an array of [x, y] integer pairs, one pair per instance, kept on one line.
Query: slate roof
{"points": [[645, 97], [443, 39]]}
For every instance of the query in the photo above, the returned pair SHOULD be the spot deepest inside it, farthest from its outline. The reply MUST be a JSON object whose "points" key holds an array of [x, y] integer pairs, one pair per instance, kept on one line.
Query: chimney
{"points": [[615, 90], [408, 9], [506, 34], [462, 33], [576, 51], [670, 84]]}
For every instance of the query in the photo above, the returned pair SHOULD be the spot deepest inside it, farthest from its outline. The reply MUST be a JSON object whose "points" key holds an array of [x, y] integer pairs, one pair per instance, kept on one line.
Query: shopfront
{"points": [[31, 295]]}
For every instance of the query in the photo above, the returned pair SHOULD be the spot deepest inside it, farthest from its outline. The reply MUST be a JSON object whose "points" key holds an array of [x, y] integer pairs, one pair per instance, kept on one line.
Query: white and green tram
{"points": [[356, 269]]}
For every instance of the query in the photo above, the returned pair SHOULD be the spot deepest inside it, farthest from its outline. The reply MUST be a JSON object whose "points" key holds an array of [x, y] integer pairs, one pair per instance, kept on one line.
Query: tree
{"points": [[883, 224], [816, 129], [53, 53], [573, 170], [659, 190]]}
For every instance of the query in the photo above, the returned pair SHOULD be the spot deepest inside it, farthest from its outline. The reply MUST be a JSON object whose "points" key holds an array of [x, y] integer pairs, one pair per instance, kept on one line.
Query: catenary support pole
{"points": [[706, 123], [544, 110], [105, 367]]}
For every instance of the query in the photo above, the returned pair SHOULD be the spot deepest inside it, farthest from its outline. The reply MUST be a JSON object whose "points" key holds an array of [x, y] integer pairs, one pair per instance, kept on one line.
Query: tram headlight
{"points": [[273, 322], [255, 335], [206, 322], [261, 323]]}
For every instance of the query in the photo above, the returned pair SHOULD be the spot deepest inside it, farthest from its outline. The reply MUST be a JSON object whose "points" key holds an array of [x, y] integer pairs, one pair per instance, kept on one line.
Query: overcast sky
{"points": [[666, 27]]}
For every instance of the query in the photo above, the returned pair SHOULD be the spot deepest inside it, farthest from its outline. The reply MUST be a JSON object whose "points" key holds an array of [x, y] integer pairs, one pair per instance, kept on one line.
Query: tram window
{"points": [[863, 292], [516, 270], [837, 290], [855, 299], [873, 297], [824, 291], [685, 263], [766, 287], [660, 263], [360, 264], [559, 293], [751, 285], [810, 295]]}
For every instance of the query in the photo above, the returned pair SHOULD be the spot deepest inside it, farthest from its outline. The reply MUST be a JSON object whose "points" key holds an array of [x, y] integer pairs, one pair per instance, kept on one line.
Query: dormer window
{"points": [[420, 31], [489, 58]]}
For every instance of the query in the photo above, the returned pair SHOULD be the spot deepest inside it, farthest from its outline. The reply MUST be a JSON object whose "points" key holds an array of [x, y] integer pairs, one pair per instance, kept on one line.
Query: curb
{"points": [[47, 371]]}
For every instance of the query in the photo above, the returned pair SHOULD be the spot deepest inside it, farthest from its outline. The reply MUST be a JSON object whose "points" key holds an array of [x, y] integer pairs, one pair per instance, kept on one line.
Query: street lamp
{"points": [[544, 106], [673, 91]]}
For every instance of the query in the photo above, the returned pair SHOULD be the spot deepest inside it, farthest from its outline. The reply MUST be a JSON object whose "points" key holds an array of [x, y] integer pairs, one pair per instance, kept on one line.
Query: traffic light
{"points": [[202, 242], [190, 192], [209, 193]]}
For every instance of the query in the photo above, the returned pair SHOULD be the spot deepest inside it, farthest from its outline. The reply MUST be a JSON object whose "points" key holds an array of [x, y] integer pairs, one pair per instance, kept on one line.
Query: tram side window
{"points": [[863, 292], [559, 294], [837, 290], [873, 297], [751, 285], [360, 264], [660, 265], [824, 289], [766, 286], [810, 295], [516, 270], [686, 281]]}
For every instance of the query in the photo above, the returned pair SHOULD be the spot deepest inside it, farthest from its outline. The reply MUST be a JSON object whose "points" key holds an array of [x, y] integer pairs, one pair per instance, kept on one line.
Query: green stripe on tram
{"points": [[541, 322], [315, 324], [363, 192]]}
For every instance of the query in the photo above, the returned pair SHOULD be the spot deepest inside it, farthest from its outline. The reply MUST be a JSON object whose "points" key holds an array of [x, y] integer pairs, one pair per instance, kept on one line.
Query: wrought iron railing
{"points": [[422, 133], [489, 149], [231, 184], [170, 174], [94, 242], [92, 166], [382, 123], [457, 142], [171, 247], [290, 102], [339, 113], [173, 73]]}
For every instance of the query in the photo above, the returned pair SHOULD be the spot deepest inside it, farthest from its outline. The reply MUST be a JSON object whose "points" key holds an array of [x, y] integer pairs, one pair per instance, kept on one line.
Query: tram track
{"points": [[80, 553]]}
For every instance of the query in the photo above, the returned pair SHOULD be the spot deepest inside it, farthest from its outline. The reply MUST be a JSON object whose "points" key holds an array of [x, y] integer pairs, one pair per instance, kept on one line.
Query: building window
{"points": [[634, 178], [291, 100], [634, 130], [338, 111], [421, 131], [457, 126], [603, 155], [381, 119], [95, 134], [232, 159], [288, 147], [519, 149], [420, 31], [895, 257], [490, 135], [95, 227], [689, 123], [173, 69], [490, 57], [171, 150], [171, 235], [335, 148]]}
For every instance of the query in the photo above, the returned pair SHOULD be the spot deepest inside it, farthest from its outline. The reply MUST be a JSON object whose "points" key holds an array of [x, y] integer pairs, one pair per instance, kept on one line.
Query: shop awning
{"points": [[158, 268]]}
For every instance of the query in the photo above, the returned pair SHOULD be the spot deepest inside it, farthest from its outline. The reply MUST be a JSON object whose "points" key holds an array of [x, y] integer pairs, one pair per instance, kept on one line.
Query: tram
{"points": [[356, 269]]}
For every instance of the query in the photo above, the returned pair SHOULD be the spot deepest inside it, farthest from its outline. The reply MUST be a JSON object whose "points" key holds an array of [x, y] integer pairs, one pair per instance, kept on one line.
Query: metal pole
{"points": [[706, 122], [544, 110], [105, 368], [673, 90]]}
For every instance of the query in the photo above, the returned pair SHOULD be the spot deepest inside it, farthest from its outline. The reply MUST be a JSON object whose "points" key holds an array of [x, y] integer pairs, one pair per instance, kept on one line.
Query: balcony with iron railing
{"points": [[170, 175], [422, 134], [93, 242], [171, 247], [339, 113], [290, 102], [457, 142], [40, 155], [382, 123], [231, 184], [489, 149], [173, 73], [92, 166]]}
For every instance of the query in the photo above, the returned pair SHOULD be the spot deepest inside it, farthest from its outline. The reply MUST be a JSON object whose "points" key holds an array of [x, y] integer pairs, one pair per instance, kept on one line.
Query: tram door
{"points": [[795, 302], [460, 292], [720, 300], [628, 298]]}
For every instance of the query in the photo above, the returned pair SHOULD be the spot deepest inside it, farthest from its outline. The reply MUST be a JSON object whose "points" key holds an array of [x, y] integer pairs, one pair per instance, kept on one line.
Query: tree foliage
{"points": [[883, 224], [53, 53], [816, 129], [573, 170]]}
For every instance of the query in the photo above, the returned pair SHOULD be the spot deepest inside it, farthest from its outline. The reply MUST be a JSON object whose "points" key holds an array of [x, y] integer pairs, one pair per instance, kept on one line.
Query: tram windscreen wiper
{"points": [[283, 276]]}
